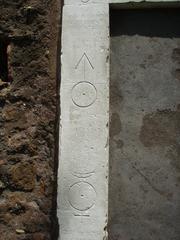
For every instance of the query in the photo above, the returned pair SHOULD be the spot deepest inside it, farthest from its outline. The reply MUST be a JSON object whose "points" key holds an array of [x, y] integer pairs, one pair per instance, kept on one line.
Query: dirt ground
{"points": [[29, 83]]}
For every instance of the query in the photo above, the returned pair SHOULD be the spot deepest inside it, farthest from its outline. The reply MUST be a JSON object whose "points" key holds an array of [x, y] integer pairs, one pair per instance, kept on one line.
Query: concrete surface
{"points": [[84, 148], [144, 196]]}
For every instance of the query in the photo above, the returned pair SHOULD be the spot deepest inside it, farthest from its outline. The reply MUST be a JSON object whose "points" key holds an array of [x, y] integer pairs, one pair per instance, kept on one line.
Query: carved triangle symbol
{"points": [[84, 57]]}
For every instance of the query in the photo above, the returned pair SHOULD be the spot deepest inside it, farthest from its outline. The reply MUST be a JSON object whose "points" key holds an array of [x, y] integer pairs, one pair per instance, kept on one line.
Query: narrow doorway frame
{"points": [[84, 122]]}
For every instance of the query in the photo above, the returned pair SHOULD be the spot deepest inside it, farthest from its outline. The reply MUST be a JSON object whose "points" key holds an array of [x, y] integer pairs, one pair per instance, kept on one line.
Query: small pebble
{"points": [[20, 231], [2, 186]]}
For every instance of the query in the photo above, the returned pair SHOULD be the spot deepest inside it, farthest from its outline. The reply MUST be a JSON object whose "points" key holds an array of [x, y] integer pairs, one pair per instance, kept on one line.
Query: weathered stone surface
{"points": [[22, 176], [83, 172], [28, 103], [145, 125]]}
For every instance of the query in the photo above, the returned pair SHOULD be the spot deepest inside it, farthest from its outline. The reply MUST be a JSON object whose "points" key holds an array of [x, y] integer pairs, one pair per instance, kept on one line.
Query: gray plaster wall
{"points": [[144, 194]]}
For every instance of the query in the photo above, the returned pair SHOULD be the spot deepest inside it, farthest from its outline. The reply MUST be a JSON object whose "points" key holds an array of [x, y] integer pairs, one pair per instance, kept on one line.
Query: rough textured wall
{"points": [[28, 108]]}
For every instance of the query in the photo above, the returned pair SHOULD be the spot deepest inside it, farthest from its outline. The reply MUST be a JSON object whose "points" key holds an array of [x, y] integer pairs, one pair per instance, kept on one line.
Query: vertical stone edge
{"points": [[99, 116]]}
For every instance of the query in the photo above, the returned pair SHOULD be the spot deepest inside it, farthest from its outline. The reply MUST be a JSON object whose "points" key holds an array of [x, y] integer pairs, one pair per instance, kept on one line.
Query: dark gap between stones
{"points": [[4, 68]]}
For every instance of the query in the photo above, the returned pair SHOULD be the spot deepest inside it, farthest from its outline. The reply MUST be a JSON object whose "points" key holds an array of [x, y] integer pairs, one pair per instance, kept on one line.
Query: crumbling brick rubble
{"points": [[28, 112]]}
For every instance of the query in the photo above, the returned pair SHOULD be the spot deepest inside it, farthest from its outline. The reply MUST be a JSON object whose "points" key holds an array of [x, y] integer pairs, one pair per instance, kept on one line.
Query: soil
{"points": [[29, 110]]}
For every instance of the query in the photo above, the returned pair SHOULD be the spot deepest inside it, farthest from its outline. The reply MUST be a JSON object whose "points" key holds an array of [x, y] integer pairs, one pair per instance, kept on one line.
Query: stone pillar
{"points": [[84, 133]]}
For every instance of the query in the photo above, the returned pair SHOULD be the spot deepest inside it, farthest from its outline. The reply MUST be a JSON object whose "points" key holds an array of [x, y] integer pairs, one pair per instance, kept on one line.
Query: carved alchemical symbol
{"points": [[84, 94], [83, 175], [82, 196], [85, 1], [86, 61]]}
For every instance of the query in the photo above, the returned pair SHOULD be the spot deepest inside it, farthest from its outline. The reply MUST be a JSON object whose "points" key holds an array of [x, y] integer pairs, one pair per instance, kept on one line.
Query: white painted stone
{"points": [[84, 2], [83, 167]]}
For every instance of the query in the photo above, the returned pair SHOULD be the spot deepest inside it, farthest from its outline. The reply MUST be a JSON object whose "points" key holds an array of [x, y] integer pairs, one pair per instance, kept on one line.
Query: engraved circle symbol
{"points": [[84, 94], [82, 196], [84, 1]]}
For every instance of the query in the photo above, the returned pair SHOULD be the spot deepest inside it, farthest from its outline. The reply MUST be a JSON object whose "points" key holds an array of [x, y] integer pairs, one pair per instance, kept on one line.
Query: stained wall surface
{"points": [[144, 195]]}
